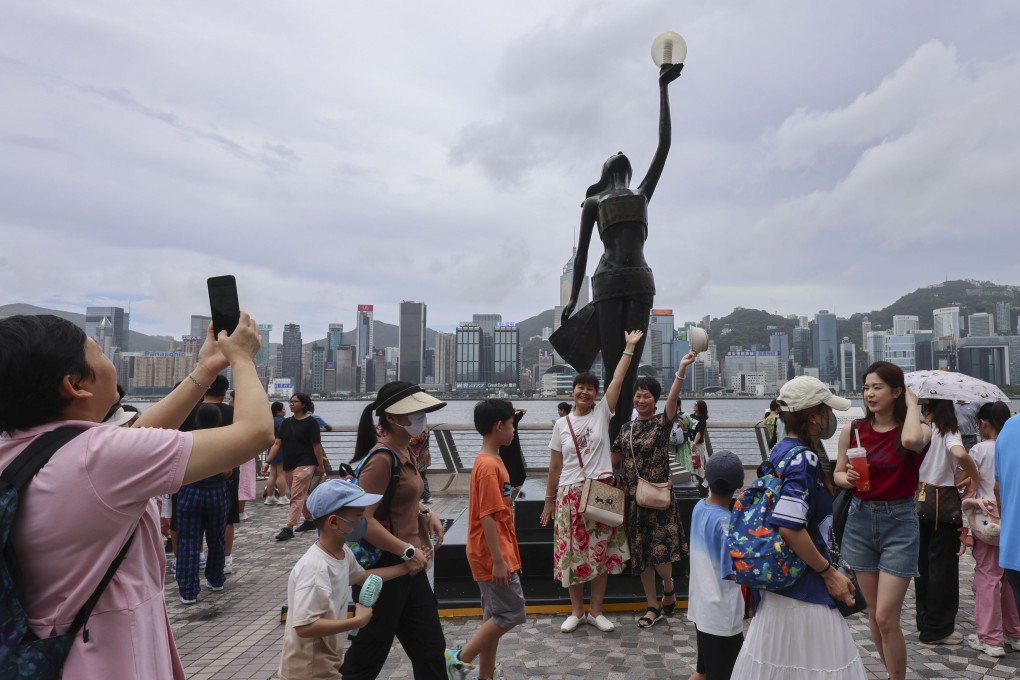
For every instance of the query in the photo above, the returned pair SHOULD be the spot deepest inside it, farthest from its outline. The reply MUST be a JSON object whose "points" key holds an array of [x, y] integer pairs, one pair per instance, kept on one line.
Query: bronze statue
{"points": [[622, 287]]}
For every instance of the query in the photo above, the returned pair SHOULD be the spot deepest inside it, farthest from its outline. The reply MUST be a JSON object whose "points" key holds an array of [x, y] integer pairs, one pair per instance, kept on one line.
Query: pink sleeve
{"points": [[127, 465]]}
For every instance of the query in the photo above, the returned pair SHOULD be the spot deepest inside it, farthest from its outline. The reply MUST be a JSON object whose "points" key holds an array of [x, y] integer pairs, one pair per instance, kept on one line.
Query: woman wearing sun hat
{"points": [[805, 611], [406, 608]]}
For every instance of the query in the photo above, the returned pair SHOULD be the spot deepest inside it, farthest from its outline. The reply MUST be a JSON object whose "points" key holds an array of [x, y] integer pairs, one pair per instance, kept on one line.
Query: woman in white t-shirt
{"points": [[580, 449], [937, 589]]}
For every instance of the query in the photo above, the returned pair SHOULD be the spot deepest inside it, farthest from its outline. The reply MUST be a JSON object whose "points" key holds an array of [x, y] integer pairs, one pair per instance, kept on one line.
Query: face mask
{"points": [[830, 426], [357, 531], [417, 426]]}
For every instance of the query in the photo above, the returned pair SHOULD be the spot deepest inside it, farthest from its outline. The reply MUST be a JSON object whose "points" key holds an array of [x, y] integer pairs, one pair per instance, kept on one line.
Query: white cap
{"points": [[805, 391]]}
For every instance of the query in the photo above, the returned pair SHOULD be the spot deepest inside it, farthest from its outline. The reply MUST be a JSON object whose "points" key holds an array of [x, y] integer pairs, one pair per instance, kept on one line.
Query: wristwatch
{"points": [[409, 553]]}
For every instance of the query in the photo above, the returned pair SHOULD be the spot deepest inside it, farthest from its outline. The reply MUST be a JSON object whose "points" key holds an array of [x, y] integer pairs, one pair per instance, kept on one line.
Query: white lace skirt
{"points": [[793, 640]]}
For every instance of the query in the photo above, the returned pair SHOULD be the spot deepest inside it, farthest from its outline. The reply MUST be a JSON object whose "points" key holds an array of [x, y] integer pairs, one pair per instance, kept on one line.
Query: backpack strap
{"points": [[387, 501], [18, 474], [785, 459]]}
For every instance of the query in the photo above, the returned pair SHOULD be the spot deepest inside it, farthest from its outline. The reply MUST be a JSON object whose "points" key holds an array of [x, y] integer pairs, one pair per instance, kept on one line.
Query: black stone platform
{"points": [[455, 588]]}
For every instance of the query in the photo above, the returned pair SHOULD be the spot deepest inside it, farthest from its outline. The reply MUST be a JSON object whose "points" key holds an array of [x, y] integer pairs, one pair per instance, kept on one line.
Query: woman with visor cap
{"points": [[406, 608]]}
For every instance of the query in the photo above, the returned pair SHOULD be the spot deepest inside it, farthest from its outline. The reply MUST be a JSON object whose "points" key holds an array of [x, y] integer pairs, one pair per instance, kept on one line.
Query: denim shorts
{"points": [[882, 536]]}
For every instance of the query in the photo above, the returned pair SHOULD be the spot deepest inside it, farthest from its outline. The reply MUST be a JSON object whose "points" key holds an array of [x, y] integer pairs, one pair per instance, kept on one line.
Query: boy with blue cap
{"points": [[319, 584]]}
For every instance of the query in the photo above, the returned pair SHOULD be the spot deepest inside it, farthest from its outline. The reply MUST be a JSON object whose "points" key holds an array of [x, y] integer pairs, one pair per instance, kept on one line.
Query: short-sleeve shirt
{"points": [[216, 481], [375, 477], [983, 454], [592, 431], [75, 516], [297, 442], [1007, 473], [893, 477], [317, 589], [939, 463], [489, 495], [715, 604], [804, 503]]}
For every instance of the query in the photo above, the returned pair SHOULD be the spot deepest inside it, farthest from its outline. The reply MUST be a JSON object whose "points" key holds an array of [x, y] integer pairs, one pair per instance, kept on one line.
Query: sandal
{"points": [[668, 609], [652, 616]]}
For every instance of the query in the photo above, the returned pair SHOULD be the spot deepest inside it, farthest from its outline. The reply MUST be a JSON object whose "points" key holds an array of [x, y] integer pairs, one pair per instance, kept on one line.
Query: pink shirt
{"points": [[74, 518]]}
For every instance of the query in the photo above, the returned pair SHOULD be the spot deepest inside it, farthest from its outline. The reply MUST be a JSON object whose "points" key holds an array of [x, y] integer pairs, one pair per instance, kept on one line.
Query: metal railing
{"points": [[454, 445]]}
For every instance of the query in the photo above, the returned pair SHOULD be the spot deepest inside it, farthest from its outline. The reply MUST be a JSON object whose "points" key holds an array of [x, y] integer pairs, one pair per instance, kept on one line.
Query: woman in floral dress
{"points": [[579, 449], [656, 537]]}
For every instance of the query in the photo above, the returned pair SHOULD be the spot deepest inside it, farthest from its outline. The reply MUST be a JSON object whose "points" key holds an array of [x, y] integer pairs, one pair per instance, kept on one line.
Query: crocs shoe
{"points": [[455, 668]]}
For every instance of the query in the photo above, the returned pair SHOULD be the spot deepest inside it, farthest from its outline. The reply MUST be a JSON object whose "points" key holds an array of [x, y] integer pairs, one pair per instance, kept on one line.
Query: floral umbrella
{"points": [[952, 386]]}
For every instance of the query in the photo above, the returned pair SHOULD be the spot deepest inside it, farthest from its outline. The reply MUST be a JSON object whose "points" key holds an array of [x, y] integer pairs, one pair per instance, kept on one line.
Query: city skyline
{"points": [[280, 148]]}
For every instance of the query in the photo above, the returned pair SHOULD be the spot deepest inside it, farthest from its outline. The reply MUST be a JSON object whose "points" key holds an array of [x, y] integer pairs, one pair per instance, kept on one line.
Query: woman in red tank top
{"points": [[882, 538]]}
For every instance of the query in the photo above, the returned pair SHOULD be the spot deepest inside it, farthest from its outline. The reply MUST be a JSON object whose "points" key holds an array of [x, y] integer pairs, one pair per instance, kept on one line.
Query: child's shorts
{"points": [[505, 606]]}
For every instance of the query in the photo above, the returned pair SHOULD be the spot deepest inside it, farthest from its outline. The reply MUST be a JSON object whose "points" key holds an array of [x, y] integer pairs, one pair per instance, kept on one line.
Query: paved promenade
{"points": [[236, 634]]}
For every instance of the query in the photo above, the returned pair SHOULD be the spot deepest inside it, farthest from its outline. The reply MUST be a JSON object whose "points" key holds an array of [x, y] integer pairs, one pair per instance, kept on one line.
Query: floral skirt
{"points": [[583, 550]]}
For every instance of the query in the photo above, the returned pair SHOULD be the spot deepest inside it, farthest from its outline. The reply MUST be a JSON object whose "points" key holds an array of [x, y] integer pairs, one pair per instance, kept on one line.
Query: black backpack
{"points": [[22, 653]]}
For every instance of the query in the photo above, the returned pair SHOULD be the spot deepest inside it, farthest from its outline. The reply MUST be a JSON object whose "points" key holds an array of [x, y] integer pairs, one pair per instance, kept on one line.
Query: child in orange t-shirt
{"points": [[491, 545]]}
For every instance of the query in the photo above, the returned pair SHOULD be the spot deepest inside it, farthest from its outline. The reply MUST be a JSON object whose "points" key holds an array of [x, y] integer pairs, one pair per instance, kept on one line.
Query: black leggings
{"points": [[407, 610]]}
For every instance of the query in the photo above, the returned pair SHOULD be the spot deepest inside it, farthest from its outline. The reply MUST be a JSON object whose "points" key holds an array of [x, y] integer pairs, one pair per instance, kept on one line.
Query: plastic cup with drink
{"points": [[857, 458]]}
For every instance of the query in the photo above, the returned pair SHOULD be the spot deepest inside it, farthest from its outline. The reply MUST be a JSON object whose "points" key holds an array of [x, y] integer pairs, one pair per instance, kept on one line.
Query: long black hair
{"points": [[367, 437], [943, 415]]}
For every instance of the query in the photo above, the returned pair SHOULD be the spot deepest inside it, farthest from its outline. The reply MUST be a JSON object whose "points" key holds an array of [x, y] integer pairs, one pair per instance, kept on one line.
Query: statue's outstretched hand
{"points": [[669, 72]]}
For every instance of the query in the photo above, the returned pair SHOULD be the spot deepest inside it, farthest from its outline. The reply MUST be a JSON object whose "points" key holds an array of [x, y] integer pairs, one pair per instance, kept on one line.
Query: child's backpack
{"points": [[366, 553], [681, 431], [22, 653], [761, 558]]}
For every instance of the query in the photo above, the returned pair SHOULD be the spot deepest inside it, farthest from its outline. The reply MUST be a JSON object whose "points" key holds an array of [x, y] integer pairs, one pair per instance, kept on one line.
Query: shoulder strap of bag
{"points": [[785, 459], [577, 449], [20, 472], [387, 501]]}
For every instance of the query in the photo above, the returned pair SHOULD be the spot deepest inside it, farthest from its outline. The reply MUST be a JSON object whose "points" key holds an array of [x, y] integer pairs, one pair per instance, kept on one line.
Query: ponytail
{"points": [[367, 438]]}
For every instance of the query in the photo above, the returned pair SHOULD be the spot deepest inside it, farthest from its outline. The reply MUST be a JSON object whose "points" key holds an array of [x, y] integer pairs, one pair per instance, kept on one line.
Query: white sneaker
{"points": [[228, 564], [570, 625], [283, 500], [270, 500], [1012, 642], [243, 516], [975, 643], [602, 623], [213, 588]]}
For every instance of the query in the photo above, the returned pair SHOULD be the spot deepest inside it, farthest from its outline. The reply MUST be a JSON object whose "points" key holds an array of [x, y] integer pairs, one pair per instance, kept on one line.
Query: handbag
{"points": [[651, 495], [860, 604], [937, 504], [601, 502]]}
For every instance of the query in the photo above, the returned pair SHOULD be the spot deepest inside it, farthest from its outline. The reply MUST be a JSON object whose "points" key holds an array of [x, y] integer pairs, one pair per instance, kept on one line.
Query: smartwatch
{"points": [[409, 553]]}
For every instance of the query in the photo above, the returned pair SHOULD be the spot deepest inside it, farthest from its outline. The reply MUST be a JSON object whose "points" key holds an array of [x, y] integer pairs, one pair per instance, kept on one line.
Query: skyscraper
{"points": [[446, 358], [469, 344], [848, 365], [262, 356], [824, 346], [411, 342], [318, 366], [802, 350], [904, 323], [780, 342], [1002, 312], [200, 324], [506, 370], [365, 341], [865, 329], [486, 357], [946, 323], [334, 338], [658, 351], [119, 323], [292, 355], [981, 325]]}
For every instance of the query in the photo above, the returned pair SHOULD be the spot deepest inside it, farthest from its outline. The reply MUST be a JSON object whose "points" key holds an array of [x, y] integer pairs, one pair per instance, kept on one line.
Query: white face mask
{"points": [[418, 423]]}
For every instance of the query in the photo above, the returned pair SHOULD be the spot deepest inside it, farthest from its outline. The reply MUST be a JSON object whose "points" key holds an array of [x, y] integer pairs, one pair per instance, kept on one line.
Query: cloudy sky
{"points": [[825, 154]]}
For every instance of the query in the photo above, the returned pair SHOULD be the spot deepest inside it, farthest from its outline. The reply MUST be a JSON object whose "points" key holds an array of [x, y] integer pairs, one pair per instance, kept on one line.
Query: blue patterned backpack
{"points": [[366, 553], [761, 558], [22, 653]]}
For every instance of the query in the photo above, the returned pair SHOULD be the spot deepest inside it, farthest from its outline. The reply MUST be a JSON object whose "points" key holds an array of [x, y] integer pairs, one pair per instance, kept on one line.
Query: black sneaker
{"points": [[285, 533], [307, 525]]}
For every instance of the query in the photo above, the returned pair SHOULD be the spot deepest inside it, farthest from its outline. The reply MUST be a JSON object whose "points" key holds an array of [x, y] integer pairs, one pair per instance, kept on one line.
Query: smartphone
{"points": [[226, 313]]}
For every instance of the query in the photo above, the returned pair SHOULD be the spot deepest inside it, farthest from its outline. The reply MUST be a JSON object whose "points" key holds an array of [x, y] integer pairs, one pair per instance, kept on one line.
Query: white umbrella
{"points": [[952, 386]]}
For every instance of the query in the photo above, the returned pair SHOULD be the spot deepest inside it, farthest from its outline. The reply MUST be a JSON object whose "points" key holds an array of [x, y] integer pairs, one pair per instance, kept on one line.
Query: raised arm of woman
{"points": [[914, 435], [252, 430], [613, 388], [678, 382]]}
